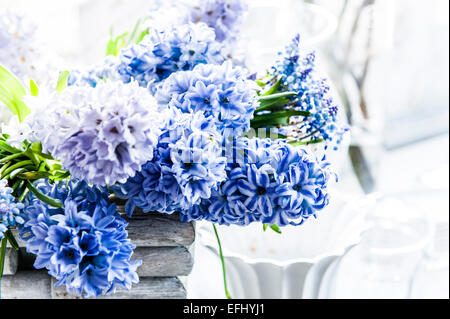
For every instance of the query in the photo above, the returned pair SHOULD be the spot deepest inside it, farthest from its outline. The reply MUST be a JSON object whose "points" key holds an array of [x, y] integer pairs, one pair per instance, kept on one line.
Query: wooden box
{"points": [[163, 244]]}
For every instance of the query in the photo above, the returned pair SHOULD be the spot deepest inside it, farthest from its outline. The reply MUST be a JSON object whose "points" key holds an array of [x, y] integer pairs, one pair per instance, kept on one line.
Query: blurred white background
{"points": [[389, 61]]}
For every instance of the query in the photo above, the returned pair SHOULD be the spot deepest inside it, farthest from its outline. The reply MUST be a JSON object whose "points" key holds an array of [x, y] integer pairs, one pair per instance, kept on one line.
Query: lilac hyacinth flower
{"points": [[84, 245], [267, 181], [220, 91], [102, 135], [163, 52], [225, 17], [10, 210], [186, 167]]}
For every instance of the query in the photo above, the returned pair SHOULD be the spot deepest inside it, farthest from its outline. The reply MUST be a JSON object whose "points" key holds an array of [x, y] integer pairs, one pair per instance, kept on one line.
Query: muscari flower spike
{"points": [[84, 245], [10, 210], [221, 91], [102, 135], [187, 165], [267, 181], [300, 75]]}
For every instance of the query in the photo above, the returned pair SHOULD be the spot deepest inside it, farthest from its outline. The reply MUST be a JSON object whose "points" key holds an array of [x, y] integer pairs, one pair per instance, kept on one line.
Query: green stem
{"points": [[17, 165], [10, 157], [24, 194], [223, 263]]}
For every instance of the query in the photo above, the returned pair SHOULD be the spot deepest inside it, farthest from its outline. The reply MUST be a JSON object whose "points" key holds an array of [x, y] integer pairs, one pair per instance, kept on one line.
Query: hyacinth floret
{"points": [[102, 135], [186, 167], [267, 181], [163, 52], [84, 245], [225, 17], [221, 91]]}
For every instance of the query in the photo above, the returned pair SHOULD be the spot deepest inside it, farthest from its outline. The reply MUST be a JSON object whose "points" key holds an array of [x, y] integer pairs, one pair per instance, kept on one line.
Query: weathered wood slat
{"points": [[26, 285], [148, 288], [159, 230], [11, 261], [156, 261], [163, 261], [154, 230]]}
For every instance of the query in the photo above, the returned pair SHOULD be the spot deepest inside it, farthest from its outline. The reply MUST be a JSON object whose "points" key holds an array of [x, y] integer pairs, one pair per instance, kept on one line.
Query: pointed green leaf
{"points": [[62, 81], [300, 143], [11, 82], [46, 199], [33, 175], [274, 119], [274, 88], [34, 90], [276, 229], [10, 236], [276, 96], [11, 93]]}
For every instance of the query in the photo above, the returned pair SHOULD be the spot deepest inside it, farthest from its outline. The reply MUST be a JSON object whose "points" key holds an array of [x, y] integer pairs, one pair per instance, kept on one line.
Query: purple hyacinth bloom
{"points": [[101, 135], [224, 16]]}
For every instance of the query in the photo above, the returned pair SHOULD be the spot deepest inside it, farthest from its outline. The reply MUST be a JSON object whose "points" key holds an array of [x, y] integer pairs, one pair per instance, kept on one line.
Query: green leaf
{"points": [[265, 227], [11, 82], [276, 96], [142, 35], [300, 143], [11, 93], [10, 157], [271, 104], [10, 236], [274, 87], [62, 81], [280, 118], [260, 83], [275, 228], [16, 172], [33, 175], [24, 194], [36, 147], [46, 199], [15, 166], [8, 148], [60, 175], [34, 90], [8, 100]]}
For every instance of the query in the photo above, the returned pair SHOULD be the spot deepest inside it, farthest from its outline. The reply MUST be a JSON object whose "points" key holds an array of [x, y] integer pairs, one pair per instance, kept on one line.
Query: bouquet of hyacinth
{"points": [[165, 123]]}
